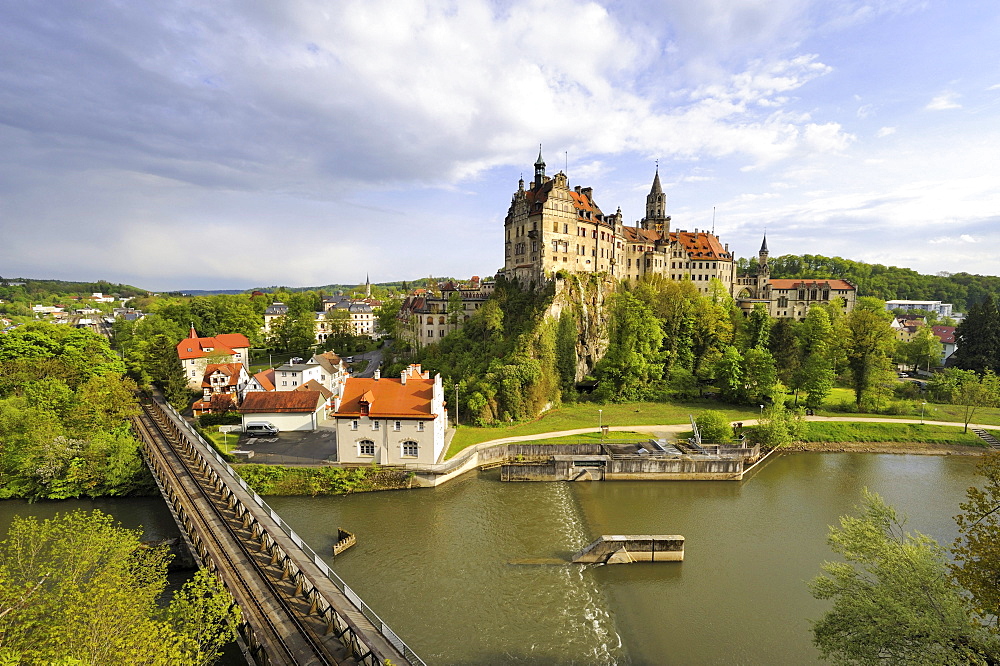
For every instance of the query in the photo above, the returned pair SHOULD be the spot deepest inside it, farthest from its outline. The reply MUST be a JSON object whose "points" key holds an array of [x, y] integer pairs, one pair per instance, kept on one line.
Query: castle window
{"points": [[555, 246], [826, 294], [410, 449], [802, 294], [565, 228], [366, 447]]}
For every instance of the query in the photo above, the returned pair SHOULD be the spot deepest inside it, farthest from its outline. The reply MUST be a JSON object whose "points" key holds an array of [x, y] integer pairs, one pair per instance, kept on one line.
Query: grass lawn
{"points": [[225, 442], [929, 433], [932, 411], [595, 438], [586, 415]]}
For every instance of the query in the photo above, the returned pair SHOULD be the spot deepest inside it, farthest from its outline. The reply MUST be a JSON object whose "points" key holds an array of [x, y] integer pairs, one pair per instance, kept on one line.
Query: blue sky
{"points": [[225, 145]]}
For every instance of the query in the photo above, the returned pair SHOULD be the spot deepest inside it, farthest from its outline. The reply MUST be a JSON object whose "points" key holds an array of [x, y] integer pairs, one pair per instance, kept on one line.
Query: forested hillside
{"points": [[886, 282]]}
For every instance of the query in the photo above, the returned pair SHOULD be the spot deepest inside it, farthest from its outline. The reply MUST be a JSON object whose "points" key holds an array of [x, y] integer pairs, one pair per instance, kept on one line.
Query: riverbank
{"points": [[905, 448]]}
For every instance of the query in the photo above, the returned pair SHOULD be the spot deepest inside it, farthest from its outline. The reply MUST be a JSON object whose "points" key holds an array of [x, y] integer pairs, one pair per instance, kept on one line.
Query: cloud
{"points": [[944, 101], [884, 132]]}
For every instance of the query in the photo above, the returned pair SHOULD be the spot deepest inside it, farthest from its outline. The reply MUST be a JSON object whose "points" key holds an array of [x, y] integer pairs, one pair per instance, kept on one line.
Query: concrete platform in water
{"points": [[627, 549]]}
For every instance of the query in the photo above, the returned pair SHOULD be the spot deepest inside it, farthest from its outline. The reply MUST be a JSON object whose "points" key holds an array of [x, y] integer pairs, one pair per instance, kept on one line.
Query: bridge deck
{"points": [[295, 614]]}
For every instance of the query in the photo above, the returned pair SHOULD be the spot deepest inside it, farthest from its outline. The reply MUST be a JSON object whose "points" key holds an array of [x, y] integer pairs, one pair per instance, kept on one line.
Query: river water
{"points": [[476, 572]]}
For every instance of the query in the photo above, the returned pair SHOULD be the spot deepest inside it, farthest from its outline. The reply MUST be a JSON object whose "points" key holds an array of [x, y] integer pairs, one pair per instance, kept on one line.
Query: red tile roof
{"points": [[230, 370], [193, 347], [640, 235], [273, 402], [388, 398], [946, 334], [266, 379], [796, 283], [701, 245]]}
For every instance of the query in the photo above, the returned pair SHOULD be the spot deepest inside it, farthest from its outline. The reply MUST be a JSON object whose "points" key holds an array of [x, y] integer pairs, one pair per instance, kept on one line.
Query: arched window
{"points": [[366, 447], [409, 449], [441, 319]]}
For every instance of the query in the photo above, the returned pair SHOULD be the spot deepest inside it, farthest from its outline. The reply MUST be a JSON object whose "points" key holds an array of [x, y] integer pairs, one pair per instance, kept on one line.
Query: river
{"points": [[475, 572]]}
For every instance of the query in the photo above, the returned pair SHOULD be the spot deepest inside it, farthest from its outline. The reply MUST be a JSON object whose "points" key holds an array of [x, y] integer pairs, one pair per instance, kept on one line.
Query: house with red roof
{"points": [[946, 334], [195, 353], [223, 387], [391, 421], [285, 410]]}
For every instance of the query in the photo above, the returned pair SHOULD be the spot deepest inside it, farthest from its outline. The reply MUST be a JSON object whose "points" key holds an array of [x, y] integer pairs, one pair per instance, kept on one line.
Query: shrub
{"points": [[714, 427]]}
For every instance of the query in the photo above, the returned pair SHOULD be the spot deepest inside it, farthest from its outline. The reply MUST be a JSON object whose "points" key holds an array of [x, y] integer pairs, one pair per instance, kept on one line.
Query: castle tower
{"points": [[763, 271], [656, 208], [539, 169], [368, 287], [762, 266]]}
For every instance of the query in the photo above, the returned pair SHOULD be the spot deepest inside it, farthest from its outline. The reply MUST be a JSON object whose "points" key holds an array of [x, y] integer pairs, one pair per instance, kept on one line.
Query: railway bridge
{"points": [[295, 609]]}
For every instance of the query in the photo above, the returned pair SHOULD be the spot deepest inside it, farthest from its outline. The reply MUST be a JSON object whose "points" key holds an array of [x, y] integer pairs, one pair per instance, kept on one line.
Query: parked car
{"points": [[260, 429]]}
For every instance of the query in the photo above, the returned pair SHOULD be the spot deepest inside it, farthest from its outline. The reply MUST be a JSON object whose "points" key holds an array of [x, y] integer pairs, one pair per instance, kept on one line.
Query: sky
{"points": [[232, 144]]}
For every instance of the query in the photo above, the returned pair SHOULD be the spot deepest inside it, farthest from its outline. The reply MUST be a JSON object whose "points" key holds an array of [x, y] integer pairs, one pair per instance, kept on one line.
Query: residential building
{"points": [[262, 381], [906, 328], [272, 312], [426, 318], [223, 387], [286, 410], [195, 353], [937, 307], [790, 297], [946, 334], [391, 421]]}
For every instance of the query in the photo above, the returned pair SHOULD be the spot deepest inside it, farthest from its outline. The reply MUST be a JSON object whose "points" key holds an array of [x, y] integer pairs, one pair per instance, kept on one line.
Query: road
{"points": [[374, 359]]}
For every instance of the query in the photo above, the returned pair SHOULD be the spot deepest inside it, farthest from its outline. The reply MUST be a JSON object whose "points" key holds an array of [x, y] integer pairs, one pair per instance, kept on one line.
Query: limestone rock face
{"points": [[586, 296]]}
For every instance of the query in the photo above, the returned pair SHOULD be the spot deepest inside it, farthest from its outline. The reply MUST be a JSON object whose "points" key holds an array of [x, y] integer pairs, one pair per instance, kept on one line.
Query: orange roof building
{"points": [[391, 420], [194, 353]]}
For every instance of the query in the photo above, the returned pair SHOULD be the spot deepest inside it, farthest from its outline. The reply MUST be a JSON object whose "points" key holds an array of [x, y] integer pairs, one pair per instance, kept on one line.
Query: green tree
{"points": [[869, 344], [632, 364], [977, 338], [966, 388], [977, 549], [923, 351], [455, 308], [388, 317], [760, 377], [77, 586], [785, 349], [893, 600], [816, 379], [566, 359], [714, 427], [758, 327], [729, 379]]}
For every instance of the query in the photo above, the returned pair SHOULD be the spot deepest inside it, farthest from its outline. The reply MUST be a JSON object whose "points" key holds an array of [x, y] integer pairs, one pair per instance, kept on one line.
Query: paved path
{"points": [[662, 431]]}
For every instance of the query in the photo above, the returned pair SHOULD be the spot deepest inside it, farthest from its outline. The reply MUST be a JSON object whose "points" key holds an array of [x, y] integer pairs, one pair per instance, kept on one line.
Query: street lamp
{"points": [[761, 414], [922, 412], [600, 421], [456, 406]]}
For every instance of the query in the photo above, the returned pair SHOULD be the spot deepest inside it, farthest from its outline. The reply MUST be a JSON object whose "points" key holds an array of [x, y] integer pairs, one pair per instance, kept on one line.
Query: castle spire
{"points": [[539, 168], [763, 246], [656, 189], [656, 206]]}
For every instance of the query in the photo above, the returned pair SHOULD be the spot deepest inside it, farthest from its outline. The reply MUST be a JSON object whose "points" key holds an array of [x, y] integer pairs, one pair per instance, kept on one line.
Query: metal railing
{"points": [[337, 581]]}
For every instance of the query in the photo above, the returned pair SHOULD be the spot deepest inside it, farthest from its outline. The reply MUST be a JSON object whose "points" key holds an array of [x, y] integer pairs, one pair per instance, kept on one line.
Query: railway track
{"points": [[281, 630]]}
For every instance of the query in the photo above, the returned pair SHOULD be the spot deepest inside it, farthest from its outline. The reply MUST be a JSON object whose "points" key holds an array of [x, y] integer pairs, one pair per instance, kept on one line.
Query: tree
{"points": [[977, 549], [714, 427], [758, 328], [388, 317], [977, 338], [455, 308], [79, 586], [816, 379], [869, 344], [784, 348], [966, 388], [632, 363], [759, 376], [893, 600], [566, 358], [923, 351], [729, 375]]}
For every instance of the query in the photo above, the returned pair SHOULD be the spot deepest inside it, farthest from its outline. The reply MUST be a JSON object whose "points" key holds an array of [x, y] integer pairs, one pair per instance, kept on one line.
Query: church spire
{"points": [[368, 287], [656, 189]]}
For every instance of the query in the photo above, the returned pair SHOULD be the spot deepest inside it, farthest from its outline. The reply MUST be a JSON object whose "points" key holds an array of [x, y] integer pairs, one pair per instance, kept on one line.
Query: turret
{"points": [[539, 168]]}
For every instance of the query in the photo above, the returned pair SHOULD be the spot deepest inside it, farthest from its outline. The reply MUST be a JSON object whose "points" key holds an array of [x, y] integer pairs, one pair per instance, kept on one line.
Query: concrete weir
{"points": [[626, 549]]}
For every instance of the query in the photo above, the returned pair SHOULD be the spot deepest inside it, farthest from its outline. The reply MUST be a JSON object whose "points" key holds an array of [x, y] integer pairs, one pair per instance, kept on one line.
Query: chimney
{"points": [[378, 374], [402, 377]]}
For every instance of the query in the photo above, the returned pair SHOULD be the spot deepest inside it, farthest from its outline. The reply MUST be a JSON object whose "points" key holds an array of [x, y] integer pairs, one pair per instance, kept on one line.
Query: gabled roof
{"points": [[266, 379], [276, 402], [701, 246], [800, 283], [640, 235], [313, 385], [224, 343], [230, 370], [388, 398], [946, 334]]}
